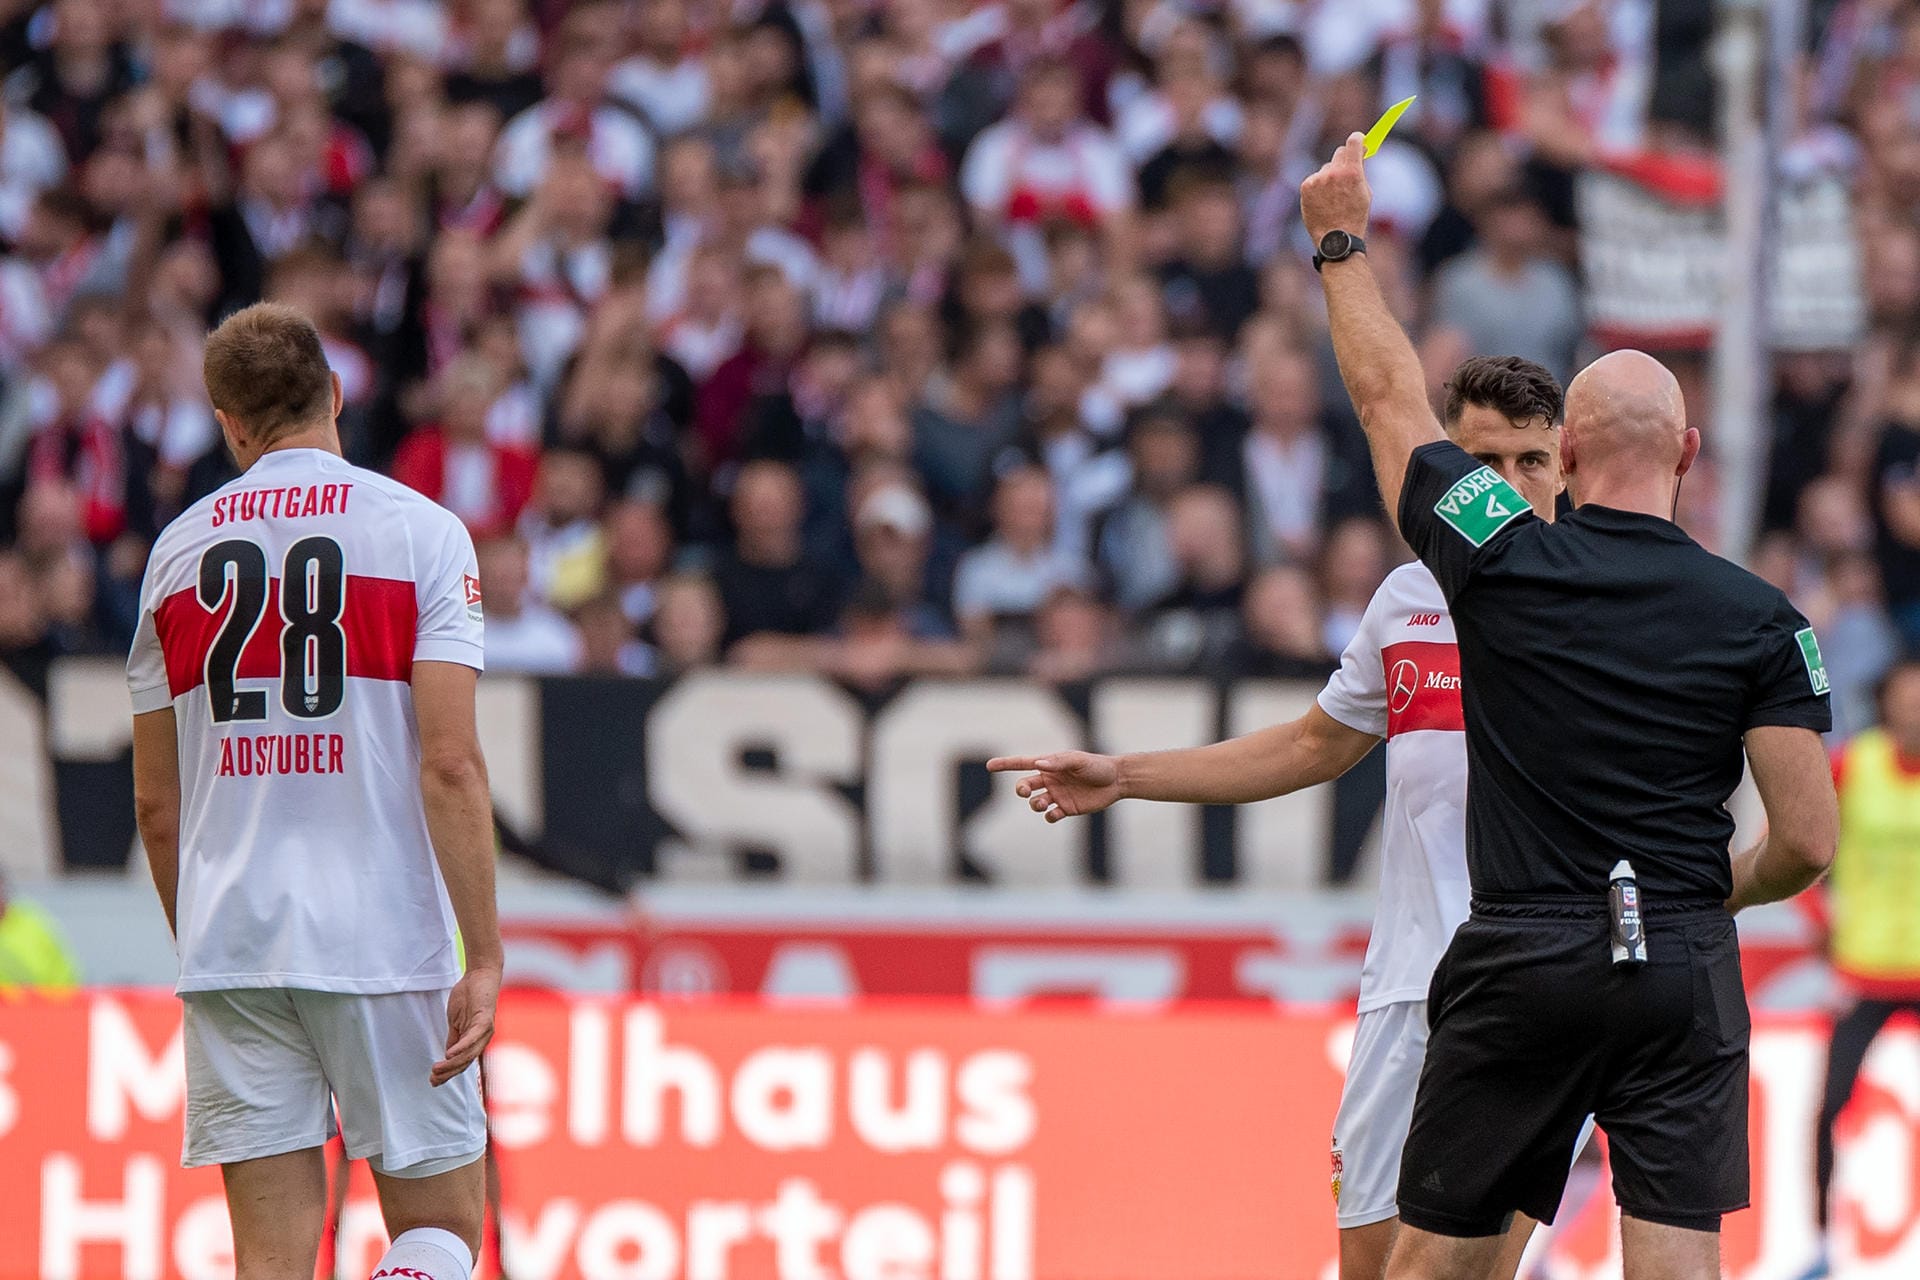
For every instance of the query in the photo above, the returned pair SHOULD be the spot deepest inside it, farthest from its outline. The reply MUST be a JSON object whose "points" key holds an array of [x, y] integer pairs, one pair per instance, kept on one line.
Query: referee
{"points": [[1611, 671]]}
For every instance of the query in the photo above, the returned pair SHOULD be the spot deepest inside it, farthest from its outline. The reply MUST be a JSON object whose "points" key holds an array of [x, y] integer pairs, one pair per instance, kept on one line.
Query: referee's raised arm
{"points": [[1377, 362]]}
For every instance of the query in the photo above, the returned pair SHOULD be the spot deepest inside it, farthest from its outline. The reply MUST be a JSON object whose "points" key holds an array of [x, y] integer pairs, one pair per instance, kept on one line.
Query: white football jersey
{"points": [[1400, 680], [280, 619]]}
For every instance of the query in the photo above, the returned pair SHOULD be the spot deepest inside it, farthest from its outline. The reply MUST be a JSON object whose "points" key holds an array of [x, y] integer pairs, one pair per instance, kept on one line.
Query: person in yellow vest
{"points": [[32, 956], [1873, 899]]}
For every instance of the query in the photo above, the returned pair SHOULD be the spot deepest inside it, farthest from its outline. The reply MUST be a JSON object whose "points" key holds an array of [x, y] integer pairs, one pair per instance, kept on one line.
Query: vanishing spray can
{"points": [[1629, 930]]}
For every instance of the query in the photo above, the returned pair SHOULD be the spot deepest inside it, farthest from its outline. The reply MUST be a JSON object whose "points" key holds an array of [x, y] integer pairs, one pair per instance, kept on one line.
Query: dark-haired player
{"points": [[1398, 680]]}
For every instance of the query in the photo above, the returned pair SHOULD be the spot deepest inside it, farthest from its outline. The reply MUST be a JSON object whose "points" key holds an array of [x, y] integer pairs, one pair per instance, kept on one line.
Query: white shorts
{"points": [[266, 1066], [1376, 1111]]}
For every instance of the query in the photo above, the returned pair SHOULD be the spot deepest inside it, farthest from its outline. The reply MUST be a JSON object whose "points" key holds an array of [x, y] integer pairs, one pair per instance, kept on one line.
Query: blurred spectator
{"points": [[556, 253], [495, 63], [66, 588], [1283, 637], [1509, 296], [579, 113], [167, 410], [1193, 625], [561, 528], [453, 461], [1135, 544], [1139, 365], [1298, 473], [81, 69], [32, 159], [1351, 570], [638, 547], [81, 440], [688, 624], [1896, 498], [764, 580], [273, 211], [608, 645], [24, 644], [1187, 122], [523, 634], [967, 416], [776, 333], [1075, 637], [1047, 161], [664, 77], [1209, 284], [1856, 639], [1008, 577], [893, 539], [56, 257], [1810, 388]]}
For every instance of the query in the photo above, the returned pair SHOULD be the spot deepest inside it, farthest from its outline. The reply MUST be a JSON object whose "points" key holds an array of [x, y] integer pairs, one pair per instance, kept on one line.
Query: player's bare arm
{"points": [[1795, 781], [1271, 762], [459, 806], [156, 802], [1377, 362]]}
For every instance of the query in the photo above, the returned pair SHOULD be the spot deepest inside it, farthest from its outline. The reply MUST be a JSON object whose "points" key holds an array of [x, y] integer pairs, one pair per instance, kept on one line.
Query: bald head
{"points": [[1626, 431]]}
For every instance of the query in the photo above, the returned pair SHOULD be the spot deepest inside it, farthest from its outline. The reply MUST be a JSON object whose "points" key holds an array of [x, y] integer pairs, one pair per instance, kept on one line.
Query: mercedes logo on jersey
{"points": [[1402, 683]]}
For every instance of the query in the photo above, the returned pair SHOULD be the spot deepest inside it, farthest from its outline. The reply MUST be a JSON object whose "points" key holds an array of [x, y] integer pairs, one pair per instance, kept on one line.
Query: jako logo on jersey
{"points": [[1424, 620]]}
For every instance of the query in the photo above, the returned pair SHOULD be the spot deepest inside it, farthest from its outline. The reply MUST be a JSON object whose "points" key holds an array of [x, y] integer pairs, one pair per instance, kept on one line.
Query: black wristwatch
{"points": [[1336, 246]]}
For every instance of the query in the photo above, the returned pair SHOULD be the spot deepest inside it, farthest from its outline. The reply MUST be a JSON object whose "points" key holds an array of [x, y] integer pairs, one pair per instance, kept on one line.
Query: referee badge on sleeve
{"points": [[1479, 505], [1810, 654]]}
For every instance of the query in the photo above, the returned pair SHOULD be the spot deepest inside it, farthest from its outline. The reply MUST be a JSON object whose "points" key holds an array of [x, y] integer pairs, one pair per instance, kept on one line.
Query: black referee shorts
{"points": [[1533, 1029]]}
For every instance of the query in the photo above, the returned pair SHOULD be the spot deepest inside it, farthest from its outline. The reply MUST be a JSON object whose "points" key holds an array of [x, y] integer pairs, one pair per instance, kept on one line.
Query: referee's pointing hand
{"points": [[1067, 784], [1336, 198]]}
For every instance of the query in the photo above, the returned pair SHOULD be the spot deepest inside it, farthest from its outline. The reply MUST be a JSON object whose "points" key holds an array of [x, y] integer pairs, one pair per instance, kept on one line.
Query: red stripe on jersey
{"points": [[186, 632], [1423, 687], [380, 620]]}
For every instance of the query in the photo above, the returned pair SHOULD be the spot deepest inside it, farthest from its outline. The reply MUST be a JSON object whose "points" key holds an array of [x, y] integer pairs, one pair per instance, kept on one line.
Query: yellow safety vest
{"points": [[1875, 882], [32, 957]]}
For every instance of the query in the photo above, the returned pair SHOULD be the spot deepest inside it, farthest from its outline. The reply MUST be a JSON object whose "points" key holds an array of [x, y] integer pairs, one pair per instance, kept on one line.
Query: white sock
{"points": [[426, 1253]]}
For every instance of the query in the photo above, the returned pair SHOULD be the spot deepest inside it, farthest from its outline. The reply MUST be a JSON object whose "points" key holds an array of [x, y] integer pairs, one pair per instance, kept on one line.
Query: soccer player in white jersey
{"points": [[314, 804], [1398, 680]]}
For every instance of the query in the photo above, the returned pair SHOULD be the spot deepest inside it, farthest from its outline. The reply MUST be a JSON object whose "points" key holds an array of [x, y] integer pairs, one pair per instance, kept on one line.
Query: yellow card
{"points": [[1384, 125]]}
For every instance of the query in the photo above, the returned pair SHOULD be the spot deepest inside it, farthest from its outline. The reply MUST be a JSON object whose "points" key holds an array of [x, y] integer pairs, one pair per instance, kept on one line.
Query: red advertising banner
{"points": [[1291, 962], [928, 1141]]}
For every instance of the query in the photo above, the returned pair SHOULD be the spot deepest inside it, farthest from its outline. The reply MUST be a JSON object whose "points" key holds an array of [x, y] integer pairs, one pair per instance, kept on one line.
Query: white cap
{"points": [[895, 507], [1622, 870]]}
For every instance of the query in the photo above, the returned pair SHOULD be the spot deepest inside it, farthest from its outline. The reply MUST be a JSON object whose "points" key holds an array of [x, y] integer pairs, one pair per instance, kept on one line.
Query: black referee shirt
{"points": [[1609, 666]]}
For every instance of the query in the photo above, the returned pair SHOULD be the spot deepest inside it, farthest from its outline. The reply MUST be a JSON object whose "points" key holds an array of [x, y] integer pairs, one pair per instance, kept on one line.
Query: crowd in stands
{"points": [[878, 337]]}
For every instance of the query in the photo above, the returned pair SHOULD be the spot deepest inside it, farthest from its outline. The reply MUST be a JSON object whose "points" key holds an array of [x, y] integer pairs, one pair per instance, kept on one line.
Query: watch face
{"points": [[1335, 245]]}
